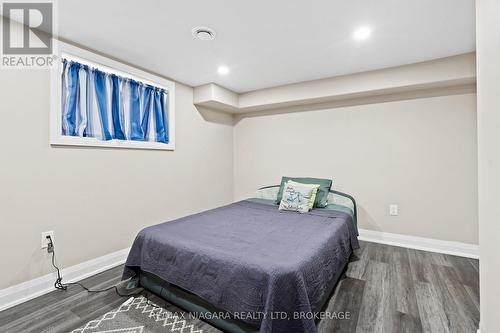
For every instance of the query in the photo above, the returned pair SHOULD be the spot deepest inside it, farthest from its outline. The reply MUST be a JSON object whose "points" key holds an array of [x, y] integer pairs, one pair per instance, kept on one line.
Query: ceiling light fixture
{"points": [[223, 70], [362, 33], [203, 33]]}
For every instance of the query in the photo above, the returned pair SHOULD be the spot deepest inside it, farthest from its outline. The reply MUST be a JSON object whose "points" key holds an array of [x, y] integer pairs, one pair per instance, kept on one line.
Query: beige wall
{"points": [[488, 100], [419, 154], [96, 200]]}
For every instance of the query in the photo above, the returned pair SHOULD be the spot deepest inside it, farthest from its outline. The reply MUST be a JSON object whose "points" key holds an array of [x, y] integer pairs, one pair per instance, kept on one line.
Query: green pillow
{"points": [[322, 195]]}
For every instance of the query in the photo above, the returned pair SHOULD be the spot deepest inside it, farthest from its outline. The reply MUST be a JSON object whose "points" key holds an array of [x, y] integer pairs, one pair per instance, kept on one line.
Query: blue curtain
{"points": [[106, 106]]}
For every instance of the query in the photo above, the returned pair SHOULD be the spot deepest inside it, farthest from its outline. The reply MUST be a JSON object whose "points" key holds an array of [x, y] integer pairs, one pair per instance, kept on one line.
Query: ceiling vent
{"points": [[203, 33]]}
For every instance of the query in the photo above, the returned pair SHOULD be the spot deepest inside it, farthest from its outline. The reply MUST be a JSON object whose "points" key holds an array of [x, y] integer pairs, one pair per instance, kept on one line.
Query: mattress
{"points": [[269, 268]]}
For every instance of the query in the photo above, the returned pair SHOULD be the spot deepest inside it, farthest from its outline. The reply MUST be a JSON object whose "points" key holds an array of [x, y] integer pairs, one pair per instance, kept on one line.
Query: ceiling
{"points": [[268, 43]]}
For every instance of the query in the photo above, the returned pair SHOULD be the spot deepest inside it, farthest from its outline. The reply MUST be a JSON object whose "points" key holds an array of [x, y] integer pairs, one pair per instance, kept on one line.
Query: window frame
{"points": [[70, 52]]}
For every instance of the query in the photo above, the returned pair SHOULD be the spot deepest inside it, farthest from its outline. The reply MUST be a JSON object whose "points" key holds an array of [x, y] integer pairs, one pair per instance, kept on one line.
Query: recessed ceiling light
{"points": [[362, 33], [203, 33], [223, 70]]}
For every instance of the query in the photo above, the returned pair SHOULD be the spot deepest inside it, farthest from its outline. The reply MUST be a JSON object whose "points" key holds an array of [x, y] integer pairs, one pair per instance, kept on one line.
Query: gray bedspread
{"points": [[252, 260]]}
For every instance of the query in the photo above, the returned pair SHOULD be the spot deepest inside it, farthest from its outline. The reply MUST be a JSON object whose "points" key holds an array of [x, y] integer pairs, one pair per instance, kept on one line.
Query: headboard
{"points": [[355, 210]]}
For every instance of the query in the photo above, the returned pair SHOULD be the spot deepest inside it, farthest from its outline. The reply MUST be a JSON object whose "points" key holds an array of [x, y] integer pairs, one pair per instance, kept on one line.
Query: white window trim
{"points": [[68, 51]]}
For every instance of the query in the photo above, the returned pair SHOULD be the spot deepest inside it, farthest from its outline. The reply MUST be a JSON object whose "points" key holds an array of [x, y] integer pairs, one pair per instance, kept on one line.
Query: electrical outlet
{"points": [[45, 241], [393, 210]]}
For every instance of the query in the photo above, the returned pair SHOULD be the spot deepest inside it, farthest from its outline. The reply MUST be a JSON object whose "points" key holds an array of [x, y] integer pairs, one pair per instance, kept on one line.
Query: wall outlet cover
{"points": [[44, 241], [393, 210]]}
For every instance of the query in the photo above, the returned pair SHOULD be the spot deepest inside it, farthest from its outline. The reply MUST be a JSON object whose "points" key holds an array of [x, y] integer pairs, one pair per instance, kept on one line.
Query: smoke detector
{"points": [[203, 33]]}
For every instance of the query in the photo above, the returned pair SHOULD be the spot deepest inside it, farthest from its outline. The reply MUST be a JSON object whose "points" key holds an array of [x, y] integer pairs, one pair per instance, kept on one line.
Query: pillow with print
{"points": [[314, 187], [296, 198], [321, 197]]}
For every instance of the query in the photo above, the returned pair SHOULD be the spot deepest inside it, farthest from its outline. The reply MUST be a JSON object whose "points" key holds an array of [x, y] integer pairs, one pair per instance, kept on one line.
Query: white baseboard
{"points": [[421, 243], [25, 291]]}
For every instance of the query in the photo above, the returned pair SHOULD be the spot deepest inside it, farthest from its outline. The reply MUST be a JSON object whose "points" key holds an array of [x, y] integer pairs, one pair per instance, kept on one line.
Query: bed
{"points": [[247, 267]]}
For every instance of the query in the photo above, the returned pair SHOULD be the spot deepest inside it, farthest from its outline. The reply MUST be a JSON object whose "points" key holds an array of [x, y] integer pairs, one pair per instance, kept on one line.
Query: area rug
{"points": [[140, 315]]}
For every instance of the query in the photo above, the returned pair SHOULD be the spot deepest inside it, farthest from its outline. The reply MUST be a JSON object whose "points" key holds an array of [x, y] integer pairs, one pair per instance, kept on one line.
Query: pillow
{"points": [[314, 187], [322, 195], [296, 198]]}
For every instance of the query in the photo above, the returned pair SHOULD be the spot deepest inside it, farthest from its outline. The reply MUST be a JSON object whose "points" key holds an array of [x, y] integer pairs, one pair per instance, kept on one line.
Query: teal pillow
{"points": [[322, 195]]}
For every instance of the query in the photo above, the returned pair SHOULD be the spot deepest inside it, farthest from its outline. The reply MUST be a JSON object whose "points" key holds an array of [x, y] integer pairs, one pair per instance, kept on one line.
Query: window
{"points": [[100, 102]]}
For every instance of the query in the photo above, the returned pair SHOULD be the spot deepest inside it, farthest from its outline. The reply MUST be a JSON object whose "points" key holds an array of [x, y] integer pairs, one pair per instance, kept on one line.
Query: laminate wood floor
{"points": [[386, 289]]}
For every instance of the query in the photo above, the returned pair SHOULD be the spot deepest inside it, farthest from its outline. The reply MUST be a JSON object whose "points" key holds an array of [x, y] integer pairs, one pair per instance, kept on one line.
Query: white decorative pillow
{"points": [[314, 187], [296, 198]]}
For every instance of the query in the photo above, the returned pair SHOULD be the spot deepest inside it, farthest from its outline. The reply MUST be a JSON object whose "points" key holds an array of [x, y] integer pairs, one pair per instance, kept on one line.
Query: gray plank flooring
{"points": [[385, 289]]}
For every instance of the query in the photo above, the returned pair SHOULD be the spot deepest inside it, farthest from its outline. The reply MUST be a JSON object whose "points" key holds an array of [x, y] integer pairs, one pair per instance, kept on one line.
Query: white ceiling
{"points": [[268, 42]]}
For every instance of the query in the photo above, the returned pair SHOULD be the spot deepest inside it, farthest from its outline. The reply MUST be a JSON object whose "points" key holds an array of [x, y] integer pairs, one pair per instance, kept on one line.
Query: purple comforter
{"points": [[251, 259]]}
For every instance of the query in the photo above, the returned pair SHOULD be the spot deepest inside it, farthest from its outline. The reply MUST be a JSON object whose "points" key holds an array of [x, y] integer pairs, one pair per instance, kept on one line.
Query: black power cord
{"points": [[58, 284]]}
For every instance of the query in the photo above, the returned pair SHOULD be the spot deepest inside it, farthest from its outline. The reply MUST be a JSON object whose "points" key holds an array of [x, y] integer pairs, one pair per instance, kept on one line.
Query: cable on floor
{"points": [[58, 284]]}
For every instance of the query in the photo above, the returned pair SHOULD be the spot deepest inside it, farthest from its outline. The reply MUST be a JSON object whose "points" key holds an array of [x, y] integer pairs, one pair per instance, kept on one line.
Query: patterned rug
{"points": [[140, 315]]}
